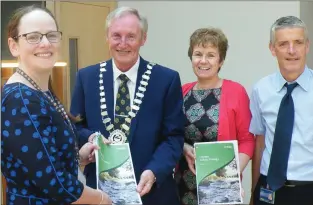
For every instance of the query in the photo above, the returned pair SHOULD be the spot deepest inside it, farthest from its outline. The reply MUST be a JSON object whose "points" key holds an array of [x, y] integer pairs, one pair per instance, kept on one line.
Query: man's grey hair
{"points": [[287, 22], [123, 11]]}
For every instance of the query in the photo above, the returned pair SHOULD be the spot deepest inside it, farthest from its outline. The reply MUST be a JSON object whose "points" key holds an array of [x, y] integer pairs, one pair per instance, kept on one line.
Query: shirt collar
{"points": [[131, 73], [303, 80]]}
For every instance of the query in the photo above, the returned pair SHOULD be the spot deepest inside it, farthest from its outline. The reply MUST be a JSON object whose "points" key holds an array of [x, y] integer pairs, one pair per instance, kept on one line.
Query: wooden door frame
{"points": [[55, 8]]}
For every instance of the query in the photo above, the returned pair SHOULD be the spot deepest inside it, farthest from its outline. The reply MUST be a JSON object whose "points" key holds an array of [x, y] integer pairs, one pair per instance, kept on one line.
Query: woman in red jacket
{"points": [[216, 109]]}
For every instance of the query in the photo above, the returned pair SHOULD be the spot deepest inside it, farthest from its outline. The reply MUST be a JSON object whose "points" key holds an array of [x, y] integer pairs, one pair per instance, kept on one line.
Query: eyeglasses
{"points": [[36, 37]]}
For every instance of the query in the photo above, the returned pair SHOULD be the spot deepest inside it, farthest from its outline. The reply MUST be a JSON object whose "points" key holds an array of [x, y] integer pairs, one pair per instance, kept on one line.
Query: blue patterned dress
{"points": [[38, 156], [201, 108]]}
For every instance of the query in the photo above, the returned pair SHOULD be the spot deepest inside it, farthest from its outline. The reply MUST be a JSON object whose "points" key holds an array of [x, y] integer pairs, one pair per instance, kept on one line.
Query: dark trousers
{"points": [[90, 174], [297, 195]]}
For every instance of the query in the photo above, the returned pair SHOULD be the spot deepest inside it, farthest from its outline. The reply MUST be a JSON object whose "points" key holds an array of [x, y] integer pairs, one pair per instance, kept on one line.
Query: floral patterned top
{"points": [[201, 108]]}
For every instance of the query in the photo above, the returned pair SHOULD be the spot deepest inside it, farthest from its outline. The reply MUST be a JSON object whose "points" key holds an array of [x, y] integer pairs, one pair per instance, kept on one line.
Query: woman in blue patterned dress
{"points": [[38, 141]]}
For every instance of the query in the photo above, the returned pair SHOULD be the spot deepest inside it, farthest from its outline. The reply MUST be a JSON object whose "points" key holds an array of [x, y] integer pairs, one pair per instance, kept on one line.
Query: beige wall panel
{"points": [[84, 21]]}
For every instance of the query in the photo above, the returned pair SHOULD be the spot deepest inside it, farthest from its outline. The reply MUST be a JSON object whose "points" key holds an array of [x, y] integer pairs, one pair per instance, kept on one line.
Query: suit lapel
{"points": [[141, 70], [109, 91]]}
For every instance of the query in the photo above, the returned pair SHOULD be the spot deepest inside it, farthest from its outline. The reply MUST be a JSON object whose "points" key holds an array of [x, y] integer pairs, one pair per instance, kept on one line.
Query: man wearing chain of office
{"points": [[129, 99]]}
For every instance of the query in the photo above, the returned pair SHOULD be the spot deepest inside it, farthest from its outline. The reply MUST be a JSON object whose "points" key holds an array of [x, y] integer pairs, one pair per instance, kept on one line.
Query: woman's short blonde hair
{"points": [[209, 36]]}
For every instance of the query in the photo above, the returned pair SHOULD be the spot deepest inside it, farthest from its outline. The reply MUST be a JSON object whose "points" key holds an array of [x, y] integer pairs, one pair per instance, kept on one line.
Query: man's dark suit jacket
{"points": [[157, 132]]}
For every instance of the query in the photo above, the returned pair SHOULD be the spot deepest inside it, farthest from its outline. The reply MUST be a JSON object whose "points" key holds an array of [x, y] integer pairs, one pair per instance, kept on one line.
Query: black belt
{"points": [[292, 183], [288, 183]]}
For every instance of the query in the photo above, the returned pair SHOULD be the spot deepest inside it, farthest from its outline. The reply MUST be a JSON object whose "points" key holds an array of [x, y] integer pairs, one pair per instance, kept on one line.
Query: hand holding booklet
{"points": [[115, 173], [218, 173]]}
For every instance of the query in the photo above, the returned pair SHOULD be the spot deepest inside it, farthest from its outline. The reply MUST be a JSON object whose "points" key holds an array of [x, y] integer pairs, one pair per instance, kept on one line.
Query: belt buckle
{"points": [[289, 185]]}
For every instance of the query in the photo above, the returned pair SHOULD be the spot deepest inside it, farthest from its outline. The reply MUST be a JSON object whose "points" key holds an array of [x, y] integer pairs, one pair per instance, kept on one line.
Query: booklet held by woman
{"points": [[115, 173], [218, 173]]}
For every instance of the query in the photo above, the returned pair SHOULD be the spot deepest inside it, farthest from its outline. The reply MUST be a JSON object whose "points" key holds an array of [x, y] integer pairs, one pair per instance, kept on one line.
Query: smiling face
{"points": [[290, 49], [41, 56], [206, 62], [125, 39]]}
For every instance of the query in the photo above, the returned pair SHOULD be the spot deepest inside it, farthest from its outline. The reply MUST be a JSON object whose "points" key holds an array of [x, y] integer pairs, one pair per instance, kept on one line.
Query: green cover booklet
{"points": [[115, 173], [218, 173]]}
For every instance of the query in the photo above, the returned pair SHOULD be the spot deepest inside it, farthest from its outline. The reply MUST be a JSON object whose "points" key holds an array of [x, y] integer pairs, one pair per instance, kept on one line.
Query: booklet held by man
{"points": [[115, 173], [218, 173]]}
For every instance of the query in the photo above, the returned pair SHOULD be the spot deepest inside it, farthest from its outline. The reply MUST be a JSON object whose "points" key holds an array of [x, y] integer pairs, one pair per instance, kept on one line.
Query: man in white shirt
{"points": [[129, 99], [282, 120]]}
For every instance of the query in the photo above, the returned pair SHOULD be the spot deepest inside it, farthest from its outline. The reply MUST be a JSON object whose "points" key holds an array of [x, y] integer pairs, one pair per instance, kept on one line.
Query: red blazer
{"points": [[234, 117]]}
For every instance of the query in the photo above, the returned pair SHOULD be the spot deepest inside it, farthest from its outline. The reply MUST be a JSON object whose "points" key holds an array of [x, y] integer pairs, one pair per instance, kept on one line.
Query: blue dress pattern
{"points": [[38, 156]]}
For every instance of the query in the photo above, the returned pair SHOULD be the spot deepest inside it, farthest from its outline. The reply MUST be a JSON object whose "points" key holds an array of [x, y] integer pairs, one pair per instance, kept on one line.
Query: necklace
{"points": [[56, 103], [119, 135]]}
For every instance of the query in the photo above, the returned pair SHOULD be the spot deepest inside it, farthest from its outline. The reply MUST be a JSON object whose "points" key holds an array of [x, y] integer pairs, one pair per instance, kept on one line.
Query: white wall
{"points": [[246, 24], [306, 14]]}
